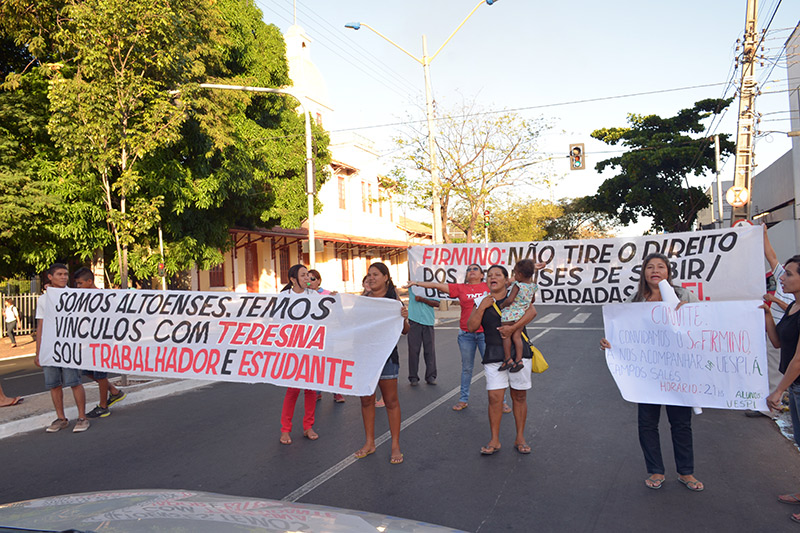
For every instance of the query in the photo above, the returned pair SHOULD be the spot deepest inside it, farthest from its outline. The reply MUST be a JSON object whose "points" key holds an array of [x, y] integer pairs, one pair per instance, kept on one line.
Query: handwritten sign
{"points": [[330, 343], [701, 355], [600, 271]]}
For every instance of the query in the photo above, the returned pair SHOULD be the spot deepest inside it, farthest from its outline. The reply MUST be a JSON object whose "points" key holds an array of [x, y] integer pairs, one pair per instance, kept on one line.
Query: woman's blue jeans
{"points": [[467, 343], [794, 410]]}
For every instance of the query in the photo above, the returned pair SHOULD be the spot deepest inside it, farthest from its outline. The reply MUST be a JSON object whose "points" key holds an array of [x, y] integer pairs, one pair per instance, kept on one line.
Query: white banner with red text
{"points": [[708, 354], [721, 264], [333, 343]]}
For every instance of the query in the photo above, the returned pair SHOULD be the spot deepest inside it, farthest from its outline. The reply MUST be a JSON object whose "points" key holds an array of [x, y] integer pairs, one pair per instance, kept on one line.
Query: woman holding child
{"points": [[487, 316], [468, 341]]}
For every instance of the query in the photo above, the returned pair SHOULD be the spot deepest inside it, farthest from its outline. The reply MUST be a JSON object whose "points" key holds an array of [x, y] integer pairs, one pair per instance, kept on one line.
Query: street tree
{"points": [[115, 138], [240, 158], [653, 173], [578, 221], [110, 103], [521, 220], [478, 154]]}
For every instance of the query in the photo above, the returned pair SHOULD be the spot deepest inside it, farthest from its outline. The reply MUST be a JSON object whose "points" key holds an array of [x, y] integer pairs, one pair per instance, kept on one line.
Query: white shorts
{"points": [[496, 379]]}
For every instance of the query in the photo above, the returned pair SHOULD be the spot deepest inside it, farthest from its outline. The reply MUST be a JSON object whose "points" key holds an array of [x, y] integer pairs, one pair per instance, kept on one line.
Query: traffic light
{"points": [[576, 154], [486, 218], [162, 270]]}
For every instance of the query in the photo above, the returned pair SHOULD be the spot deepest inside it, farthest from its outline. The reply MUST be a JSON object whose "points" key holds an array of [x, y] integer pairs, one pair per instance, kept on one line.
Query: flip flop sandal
{"points": [[460, 406], [524, 449], [694, 486], [791, 499], [654, 483], [795, 518], [396, 460], [517, 367], [360, 454], [489, 450]]}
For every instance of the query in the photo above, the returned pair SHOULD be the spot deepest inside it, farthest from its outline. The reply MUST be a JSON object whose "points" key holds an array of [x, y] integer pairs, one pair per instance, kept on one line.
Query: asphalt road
{"points": [[586, 471], [20, 377]]}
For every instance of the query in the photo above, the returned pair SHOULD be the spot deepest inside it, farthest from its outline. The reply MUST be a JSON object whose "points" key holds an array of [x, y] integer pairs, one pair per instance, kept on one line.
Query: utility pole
{"points": [[438, 234], [719, 183], [745, 131]]}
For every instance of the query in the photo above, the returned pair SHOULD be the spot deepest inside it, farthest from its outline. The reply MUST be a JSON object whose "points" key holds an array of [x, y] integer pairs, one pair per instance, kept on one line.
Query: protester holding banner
{"points": [[786, 336], [298, 285], [656, 268], [109, 393], [778, 303], [487, 316], [55, 377], [379, 284], [468, 342]]}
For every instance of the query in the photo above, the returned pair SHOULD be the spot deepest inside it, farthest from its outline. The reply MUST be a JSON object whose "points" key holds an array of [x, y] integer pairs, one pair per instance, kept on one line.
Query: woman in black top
{"points": [[785, 335], [485, 316]]}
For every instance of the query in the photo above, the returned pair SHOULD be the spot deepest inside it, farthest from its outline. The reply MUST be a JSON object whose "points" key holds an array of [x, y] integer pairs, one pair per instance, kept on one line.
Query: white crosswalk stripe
{"points": [[549, 317], [580, 318]]}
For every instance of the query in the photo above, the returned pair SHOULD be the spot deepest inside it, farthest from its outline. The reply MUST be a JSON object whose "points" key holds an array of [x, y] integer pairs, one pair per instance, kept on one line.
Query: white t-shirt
{"points": [[40, 303], [293, 294], [10, 313]]}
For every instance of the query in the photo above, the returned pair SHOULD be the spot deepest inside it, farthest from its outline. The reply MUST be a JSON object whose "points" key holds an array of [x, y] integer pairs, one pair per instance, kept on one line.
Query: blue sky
{"points": [[520, 54]]}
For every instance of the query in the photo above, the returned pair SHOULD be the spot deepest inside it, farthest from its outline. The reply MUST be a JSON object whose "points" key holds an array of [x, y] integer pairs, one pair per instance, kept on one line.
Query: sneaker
{"points": [[57, 425], [98, 412], [81, 425], [431, 381], [338, 398], [414, 382], [114, 398]]}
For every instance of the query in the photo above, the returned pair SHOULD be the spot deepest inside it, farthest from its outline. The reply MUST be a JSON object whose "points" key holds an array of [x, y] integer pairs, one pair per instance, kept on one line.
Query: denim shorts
{"points": [[94, 374], [55, 376], [390, 370]]}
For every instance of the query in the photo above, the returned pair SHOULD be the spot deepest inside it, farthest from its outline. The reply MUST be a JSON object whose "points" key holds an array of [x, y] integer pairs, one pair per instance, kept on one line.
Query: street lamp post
{"points": [[309, 153], [425, 61]]}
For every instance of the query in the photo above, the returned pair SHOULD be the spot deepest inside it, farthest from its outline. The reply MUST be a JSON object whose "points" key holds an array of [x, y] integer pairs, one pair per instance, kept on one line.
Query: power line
{"points": [[541, 106], [352, 43], [360, 67]]}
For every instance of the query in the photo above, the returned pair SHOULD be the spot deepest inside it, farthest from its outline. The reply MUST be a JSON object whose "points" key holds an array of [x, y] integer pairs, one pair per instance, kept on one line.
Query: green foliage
{"points": [[28, 170], [652, 179], [578, 221], [116, 155], [522, 221]]}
